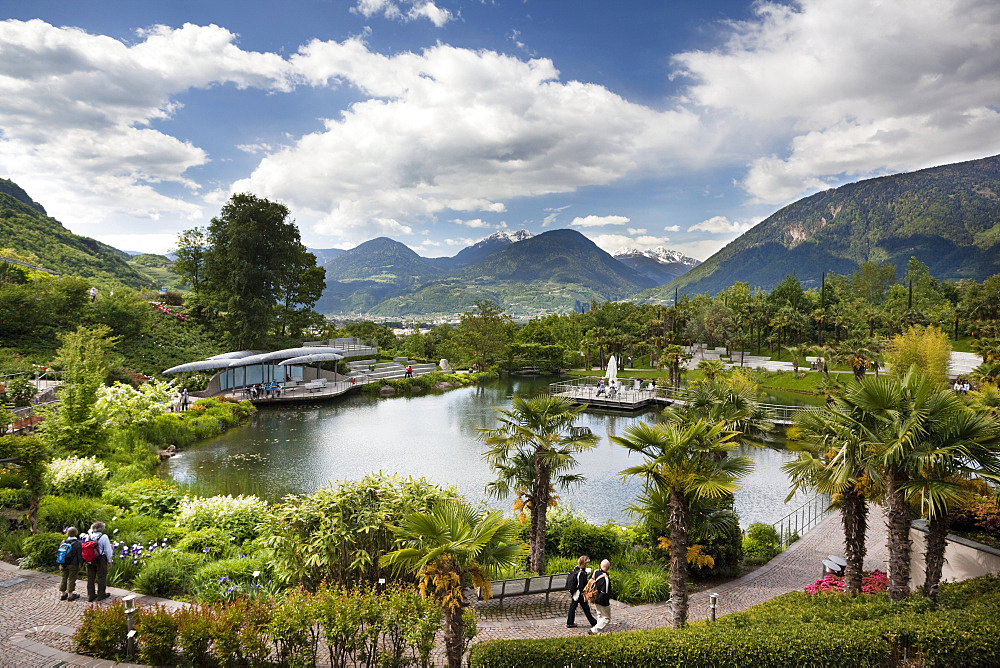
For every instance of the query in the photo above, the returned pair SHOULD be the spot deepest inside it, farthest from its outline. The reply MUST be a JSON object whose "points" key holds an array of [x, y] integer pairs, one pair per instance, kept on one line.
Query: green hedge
{"points": [[792, 630]]}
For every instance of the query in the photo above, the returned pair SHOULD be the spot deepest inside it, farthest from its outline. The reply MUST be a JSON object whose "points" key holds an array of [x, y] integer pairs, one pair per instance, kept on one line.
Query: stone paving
{"points": [[35, 624]]}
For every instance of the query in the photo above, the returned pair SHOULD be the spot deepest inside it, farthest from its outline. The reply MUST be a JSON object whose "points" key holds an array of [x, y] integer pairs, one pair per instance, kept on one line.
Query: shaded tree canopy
{"points": [[256, 270]]}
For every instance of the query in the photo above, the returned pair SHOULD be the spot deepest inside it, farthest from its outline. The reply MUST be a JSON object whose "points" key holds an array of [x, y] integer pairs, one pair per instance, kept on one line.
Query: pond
{"points": [[298, 449]]}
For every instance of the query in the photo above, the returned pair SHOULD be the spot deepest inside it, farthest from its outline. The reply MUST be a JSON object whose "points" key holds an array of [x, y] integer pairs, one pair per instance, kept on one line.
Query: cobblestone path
{"points": [[35, 626]]}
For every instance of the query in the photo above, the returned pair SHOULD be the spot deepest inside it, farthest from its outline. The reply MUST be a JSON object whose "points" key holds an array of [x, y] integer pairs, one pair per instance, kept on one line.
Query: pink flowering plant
{"points": [[871, 583], [163, 308]]}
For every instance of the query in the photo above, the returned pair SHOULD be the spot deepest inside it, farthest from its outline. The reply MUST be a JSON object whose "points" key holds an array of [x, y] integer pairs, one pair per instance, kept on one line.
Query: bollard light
{"points": [[715, 603], [130, 608]]}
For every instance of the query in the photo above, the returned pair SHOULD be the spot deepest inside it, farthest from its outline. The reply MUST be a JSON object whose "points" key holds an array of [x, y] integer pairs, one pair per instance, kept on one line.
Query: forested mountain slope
{"points": [[947, 217], [24, 227]]}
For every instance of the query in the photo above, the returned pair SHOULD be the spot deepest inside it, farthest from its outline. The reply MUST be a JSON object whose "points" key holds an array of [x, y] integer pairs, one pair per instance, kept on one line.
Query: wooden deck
{"points": [[299, 394], [630, 400], [624, 400]]}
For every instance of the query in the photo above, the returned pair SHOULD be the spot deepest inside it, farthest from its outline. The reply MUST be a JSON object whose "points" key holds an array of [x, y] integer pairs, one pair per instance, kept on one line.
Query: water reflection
{"points": [[301, 449]]}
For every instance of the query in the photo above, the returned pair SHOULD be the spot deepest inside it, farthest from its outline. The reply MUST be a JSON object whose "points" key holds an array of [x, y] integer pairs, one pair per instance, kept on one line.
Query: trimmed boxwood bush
{"points": [[213, 542], [167, 574], [791, 630], [760, 544], [596, 541]]}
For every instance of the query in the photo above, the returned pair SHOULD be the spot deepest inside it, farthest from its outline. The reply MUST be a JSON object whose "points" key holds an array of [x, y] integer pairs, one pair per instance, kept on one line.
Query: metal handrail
{"points": [[791, 527]]}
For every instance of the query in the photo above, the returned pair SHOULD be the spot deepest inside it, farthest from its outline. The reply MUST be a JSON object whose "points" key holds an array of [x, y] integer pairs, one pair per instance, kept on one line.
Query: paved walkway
{"points": [[792, 570], [35, 626]]}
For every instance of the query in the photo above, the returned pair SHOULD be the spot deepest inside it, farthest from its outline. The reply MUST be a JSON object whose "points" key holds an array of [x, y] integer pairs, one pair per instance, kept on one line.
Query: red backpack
{"points": [[89, 550]]}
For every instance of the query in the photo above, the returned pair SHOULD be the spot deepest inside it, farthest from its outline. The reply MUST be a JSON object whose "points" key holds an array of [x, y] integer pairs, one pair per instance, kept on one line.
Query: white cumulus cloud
{"points": [[849, 88], [451, 129], [407, 10], [721, 225], [598, 221], [75, 111]]}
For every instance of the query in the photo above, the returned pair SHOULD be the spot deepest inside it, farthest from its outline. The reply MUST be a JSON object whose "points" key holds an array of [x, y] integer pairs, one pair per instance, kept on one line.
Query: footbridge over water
{"points": [[635, 394]]}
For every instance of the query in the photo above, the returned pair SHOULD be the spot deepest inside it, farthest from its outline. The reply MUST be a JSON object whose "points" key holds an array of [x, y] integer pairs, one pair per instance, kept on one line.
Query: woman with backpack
{"points": [[69, 558], [96, 552], [575, 583]]}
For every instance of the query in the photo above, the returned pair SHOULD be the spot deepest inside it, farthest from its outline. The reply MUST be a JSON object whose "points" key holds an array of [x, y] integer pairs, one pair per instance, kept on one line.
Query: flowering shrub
{"points": [[871, 583], [83, 476], [238, 516], [128, 560], [121, 406], [163, 308]]}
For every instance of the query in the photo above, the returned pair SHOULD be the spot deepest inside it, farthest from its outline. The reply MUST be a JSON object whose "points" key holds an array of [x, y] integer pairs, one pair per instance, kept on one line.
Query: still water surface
{"points": [[298, 449]]}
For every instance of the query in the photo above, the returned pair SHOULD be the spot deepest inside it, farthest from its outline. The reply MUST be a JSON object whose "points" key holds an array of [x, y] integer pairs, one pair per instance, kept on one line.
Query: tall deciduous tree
{"points": [[254, 260], [75, 425], [486, 332], [538, 433], [190, 252]]}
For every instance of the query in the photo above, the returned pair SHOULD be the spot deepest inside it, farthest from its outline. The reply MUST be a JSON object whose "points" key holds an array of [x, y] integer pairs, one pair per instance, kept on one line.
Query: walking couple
{"points": [[577, 582]]}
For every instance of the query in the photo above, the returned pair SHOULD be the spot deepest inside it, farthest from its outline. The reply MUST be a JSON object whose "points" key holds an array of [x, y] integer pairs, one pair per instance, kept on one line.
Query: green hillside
{"points": [[25, 228], [379, 269], [947, 217], [553, 272]]}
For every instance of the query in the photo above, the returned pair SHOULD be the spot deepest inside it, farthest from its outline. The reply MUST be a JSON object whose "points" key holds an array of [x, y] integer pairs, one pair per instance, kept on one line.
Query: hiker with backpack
{"points": [[96, 552], [69, 558], [598, 590], [575, 584]]}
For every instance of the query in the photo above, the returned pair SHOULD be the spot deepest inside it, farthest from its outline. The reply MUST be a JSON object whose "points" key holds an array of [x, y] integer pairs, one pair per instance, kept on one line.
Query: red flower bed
{"points": [[871, 583]]}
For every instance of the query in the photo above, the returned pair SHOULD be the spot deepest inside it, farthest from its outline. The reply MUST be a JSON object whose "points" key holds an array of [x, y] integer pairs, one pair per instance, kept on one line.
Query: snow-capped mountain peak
{"points": [[660, 254], [509, 237]]}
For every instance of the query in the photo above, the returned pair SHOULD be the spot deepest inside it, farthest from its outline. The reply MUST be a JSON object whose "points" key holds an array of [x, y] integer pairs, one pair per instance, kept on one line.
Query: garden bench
{"points": [[533, 584], [834, 564]]}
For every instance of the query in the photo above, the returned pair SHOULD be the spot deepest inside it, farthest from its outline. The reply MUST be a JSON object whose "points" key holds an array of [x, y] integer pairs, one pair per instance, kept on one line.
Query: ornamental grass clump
{"points": [[81, 476]]}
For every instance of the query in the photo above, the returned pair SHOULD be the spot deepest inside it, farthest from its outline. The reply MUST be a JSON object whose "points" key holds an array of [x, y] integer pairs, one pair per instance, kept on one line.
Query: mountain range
{"points": [[947, 217], [559, 270], [658, 264]]}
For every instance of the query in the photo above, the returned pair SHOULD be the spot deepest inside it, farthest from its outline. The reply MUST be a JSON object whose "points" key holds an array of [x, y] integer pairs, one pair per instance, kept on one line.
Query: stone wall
{"points": [[964, 558]]}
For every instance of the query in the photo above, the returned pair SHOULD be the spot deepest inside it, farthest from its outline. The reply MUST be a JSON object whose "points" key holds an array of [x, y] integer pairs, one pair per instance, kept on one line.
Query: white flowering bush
{"points": [[121, 406], [238, 516], [82, 476]]}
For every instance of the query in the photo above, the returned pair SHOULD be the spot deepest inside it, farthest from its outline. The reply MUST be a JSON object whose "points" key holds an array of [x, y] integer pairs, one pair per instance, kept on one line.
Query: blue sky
{"points": [[438, 122]]}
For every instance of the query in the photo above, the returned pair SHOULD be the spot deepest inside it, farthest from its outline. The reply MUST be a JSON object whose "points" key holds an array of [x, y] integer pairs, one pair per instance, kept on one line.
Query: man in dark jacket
{"points": [[576, 581], [70, 566], [603, 602]]}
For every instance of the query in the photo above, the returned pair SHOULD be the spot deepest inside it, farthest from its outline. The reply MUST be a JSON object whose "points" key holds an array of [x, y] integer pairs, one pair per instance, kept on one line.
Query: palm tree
{"points": [[919, 436], [711, 368], [735, 401], [534, 447], [825, 354], [963, 444], [858, 355], [689, 462], [836, 459], [452, 548], [796, 352]]}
